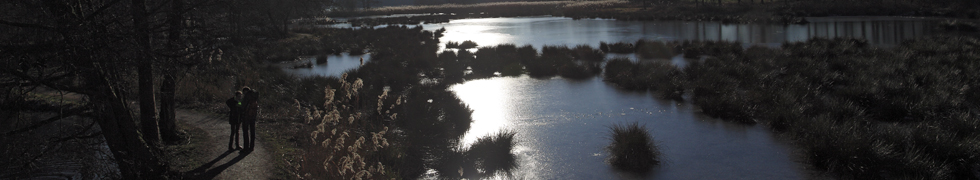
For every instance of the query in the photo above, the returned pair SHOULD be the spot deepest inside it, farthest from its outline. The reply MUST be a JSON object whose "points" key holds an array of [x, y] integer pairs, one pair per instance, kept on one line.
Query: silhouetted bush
{"points": [[856, 110], [573, 71], [694, 49], [321, 59], [959, 26], [632, 148], [619, 47], [492, 153], [653, 49], [586, 53], [467, 44], [658, 76], [452, 45], [489, 156]]}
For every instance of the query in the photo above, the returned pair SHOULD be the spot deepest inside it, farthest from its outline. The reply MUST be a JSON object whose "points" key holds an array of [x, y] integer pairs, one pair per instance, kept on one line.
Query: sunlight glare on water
{"points": [[494, 107], [475, 30], [562, 128]]}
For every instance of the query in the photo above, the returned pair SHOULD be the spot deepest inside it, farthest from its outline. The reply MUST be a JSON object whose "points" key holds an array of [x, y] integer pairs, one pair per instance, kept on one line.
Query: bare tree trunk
{"points": [[168, 117], [134, 157], [148, 120], [168, 121]]}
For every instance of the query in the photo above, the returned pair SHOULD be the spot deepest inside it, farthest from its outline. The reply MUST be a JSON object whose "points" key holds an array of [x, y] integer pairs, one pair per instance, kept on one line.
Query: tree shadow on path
{"points": [[205, 171]]}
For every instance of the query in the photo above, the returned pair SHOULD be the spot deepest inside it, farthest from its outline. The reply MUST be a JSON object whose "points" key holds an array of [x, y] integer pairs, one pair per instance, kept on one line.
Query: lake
{"points": [[547, 30], [336, 65], [563, 125], [562, 128]]}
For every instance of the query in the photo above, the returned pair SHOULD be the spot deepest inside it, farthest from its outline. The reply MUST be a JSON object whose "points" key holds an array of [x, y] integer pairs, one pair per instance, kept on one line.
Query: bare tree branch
{"points": [[80, 135], [25, 25], [46, 82], [101, 9], [69, 113]]}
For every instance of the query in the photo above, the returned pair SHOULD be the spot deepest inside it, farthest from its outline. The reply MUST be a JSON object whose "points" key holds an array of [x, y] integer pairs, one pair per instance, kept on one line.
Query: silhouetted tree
{"points": [[81, 48], [89, 47]]}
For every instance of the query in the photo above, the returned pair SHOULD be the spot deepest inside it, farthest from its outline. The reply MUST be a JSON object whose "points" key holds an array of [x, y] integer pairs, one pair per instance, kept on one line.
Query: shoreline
{"points": [[773, 13]]}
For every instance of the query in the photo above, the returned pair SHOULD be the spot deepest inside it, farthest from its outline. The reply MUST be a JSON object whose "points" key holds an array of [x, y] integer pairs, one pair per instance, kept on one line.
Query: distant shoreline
{"points": [[778, 12]]}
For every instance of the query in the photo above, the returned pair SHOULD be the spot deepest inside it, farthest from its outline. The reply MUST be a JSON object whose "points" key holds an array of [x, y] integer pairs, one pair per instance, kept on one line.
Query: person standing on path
{"points": [[234, 118], [250, 115]]}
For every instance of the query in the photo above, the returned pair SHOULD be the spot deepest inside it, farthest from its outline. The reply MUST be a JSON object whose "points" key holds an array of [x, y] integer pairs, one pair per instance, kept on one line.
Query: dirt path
{"points": [[225, 164]]}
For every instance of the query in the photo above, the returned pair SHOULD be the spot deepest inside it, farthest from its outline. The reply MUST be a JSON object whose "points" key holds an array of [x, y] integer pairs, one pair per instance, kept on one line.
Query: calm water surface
{"points": [[562, 127], [336, 65]]}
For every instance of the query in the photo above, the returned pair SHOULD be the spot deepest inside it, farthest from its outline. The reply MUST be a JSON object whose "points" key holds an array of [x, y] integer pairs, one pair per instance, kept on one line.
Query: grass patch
{"points": [[190, 152], [632, 148], [279, 139]]}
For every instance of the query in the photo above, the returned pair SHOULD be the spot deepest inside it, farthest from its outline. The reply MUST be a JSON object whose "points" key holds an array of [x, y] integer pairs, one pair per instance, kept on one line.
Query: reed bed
{"points": [[855, 110]]}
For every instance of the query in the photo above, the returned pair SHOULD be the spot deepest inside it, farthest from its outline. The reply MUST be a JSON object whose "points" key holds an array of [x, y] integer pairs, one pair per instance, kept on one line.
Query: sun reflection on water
{"points": [[492, 98], [472, 31]]}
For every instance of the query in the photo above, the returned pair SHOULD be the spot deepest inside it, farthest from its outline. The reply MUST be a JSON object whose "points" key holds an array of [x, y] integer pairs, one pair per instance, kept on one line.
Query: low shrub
{"points": [[620, 47], [632, 148], [452, 45], [467, 44]]}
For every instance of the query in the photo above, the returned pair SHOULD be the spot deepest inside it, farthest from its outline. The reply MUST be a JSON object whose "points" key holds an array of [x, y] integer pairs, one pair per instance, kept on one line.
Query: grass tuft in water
{"points": [[489, 156], [632, 148], [492, 153]]}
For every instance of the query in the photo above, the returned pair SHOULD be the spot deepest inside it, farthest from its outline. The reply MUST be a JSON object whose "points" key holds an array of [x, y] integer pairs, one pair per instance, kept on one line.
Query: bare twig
{"points": [[68, 113]]}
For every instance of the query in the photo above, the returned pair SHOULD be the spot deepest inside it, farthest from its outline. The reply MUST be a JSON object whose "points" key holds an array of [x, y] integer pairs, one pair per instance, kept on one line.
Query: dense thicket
{"points": [[856, 110]]}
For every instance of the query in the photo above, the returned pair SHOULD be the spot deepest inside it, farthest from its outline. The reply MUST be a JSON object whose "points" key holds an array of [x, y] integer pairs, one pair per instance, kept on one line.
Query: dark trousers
{"points": [[248, 133], [234, 135]]}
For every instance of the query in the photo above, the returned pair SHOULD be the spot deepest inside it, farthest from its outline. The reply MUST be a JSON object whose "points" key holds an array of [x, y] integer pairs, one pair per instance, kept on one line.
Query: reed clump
{"points": [[467, 44], [493, 153], [461, 45], [580, 62], [654, 49], [657, 76], [619, 47], [853, 109], [452, 45], [632, 148], [489, 156]]}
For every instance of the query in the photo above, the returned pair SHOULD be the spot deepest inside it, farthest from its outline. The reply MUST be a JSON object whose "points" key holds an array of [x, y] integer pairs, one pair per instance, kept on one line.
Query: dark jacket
{"points": [[251, 106], [234, 116]]}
